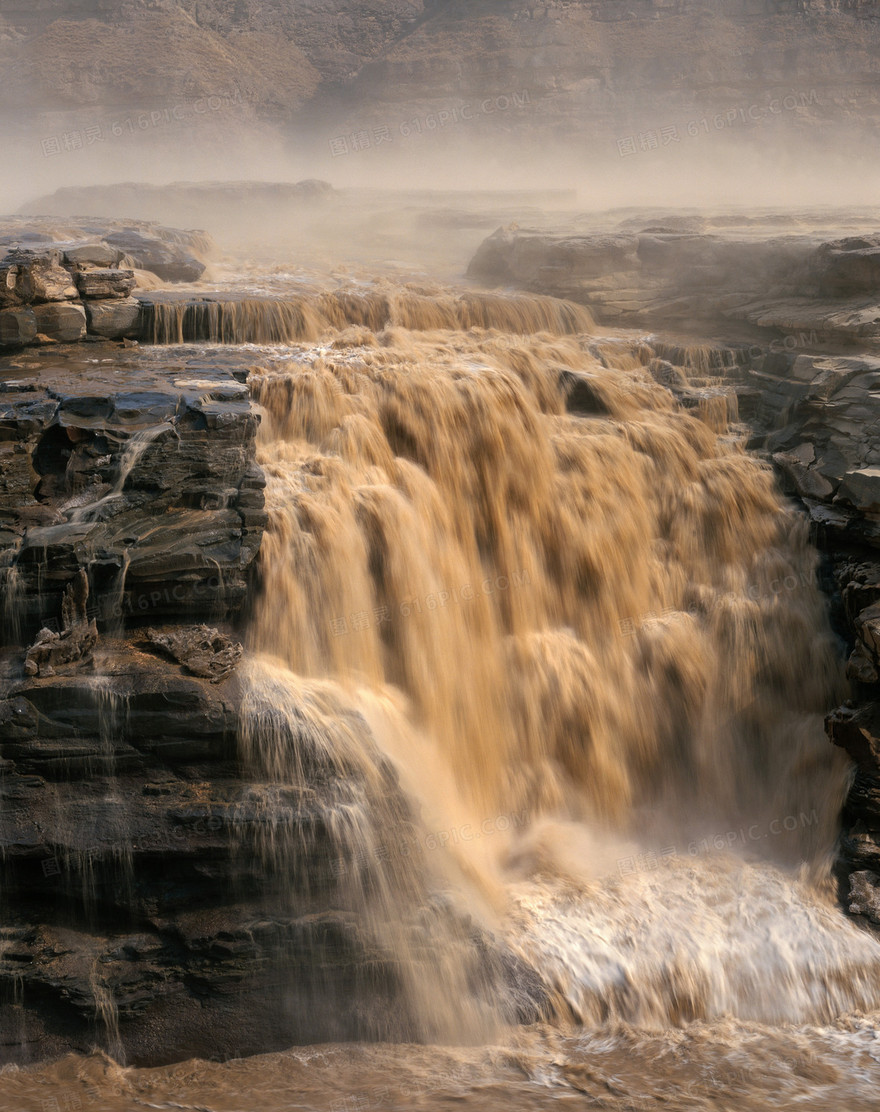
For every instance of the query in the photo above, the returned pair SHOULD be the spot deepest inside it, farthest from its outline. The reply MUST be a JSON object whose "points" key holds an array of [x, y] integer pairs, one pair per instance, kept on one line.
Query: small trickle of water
{"points": [[135, 447]]}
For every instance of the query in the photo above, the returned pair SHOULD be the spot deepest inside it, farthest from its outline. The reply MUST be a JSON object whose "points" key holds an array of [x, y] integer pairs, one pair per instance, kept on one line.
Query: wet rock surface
{"points": [[823, 420], [129, 495], [131, 874], [95, 451]]}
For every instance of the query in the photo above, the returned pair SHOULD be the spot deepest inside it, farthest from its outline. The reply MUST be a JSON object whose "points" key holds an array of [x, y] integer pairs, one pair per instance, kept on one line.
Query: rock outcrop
{"points": [[57, 290], [90, 462], [203, 651], [71, 648], [704, 277]]}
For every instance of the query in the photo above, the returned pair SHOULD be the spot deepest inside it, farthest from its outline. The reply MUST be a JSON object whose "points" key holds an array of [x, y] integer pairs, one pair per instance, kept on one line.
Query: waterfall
{"points": [[519, 603]]}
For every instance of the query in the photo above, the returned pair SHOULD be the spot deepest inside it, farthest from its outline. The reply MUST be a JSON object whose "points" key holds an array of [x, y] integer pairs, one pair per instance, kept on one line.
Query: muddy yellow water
{"points": [[568, 635]]}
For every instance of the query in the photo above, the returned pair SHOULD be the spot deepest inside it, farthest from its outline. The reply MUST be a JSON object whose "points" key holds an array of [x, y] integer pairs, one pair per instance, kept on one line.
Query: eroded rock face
{"points": [[129, 494], [91, 461], [818, 417], [132, 865], [92, 255], [101, 284], [71, 649], [27, 276]]}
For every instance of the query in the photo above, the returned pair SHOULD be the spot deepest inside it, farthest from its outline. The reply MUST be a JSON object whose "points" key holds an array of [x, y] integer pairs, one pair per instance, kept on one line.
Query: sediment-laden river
{"points": [[519, 639]]}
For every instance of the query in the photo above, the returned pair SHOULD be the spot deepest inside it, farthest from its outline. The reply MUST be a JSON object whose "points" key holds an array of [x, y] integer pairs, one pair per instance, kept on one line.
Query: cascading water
{"points": [[563, 635], [532, 738], [219, 318]]}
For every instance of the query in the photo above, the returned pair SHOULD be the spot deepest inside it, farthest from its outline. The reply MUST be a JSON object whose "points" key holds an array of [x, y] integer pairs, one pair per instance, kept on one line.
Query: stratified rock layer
{"points": [[128, 496], [54, 290]]}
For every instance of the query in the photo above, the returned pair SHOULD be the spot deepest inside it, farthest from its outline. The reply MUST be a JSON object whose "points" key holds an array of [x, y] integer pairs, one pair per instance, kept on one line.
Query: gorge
{"points": [[453, 671]]}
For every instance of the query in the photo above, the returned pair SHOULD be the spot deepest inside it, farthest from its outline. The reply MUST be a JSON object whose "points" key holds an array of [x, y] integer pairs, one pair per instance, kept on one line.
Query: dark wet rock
{"points": [[857, 730], [102, 284], [168, 261], [867, 628], [133, 844], [93, 461], [130, 837], [861, 489], [864, 895], [202, 650], [114, 320], [666, 374], [861, 667], [582, 394]]}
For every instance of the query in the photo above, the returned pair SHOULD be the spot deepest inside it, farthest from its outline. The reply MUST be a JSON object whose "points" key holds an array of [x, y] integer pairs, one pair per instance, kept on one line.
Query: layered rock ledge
{"points": [[679, 273], [65, 283], [129, 499]]}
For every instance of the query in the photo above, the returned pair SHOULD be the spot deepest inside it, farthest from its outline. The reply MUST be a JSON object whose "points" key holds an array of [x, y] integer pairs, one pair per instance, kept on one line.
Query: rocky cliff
{"points": [[589, 68], [119, 761]]}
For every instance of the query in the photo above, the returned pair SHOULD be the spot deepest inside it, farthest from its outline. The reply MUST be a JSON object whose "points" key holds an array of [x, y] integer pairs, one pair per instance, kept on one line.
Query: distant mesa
{"points": [[182, 201]]}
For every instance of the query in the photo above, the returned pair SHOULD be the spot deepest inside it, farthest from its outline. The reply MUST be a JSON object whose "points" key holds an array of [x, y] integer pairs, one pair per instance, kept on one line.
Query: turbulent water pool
{"points": [[518, 608]]}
